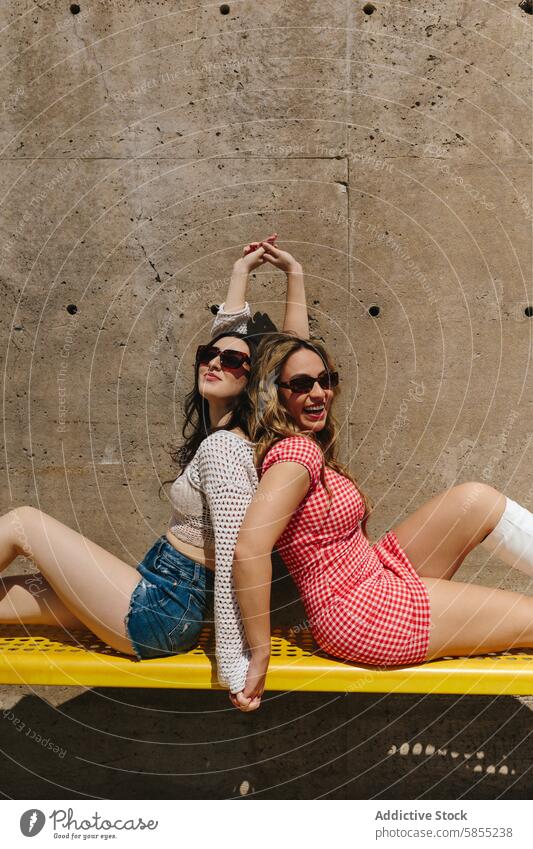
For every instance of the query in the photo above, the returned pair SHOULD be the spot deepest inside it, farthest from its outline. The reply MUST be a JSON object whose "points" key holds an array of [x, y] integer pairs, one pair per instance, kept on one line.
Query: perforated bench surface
{"points": [[38, 655]]}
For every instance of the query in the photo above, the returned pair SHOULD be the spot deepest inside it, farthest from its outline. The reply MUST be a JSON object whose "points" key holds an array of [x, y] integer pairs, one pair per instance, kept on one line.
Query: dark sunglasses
{"points": [[304, 382], [228, 357]]}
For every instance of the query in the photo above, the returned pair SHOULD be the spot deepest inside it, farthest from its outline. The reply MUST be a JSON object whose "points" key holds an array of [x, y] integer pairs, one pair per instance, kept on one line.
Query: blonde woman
{"points": [[389, 603], [159, 607]]}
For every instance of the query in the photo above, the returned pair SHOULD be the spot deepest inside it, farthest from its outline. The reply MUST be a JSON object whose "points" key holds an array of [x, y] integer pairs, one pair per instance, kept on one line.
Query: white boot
{"points": [[512, 538]]}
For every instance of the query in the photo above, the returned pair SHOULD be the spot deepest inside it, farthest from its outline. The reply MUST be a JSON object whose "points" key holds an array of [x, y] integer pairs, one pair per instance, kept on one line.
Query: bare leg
{"points": [[93, 584], [30, 600], [465, 618], [438, 536], [471, 619]]}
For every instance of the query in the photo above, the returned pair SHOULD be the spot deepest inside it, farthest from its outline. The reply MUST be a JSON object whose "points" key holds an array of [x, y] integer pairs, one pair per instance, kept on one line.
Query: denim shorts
{"points": [[171, 603]]}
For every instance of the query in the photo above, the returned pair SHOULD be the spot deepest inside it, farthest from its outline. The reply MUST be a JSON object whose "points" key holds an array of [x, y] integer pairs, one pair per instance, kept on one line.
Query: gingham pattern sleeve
{"points": [[226, 473], [296, 449], [237, 321]]}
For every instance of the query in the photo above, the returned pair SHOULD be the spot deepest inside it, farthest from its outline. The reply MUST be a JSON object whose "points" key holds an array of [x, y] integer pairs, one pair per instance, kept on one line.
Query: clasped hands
{"points": [[257, 253], [250, 698]]}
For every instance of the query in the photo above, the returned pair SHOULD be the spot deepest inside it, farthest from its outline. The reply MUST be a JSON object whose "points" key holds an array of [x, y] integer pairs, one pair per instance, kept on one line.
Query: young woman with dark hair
{"points": [[159, 608]]}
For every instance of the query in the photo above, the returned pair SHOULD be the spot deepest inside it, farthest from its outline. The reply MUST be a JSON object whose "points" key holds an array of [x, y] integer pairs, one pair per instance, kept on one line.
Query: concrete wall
{"points": [[141, 146]]}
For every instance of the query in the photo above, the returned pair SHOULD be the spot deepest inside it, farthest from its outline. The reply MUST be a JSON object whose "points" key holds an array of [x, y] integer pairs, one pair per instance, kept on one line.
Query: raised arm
{"points": [[234, 313], [281, 489], [295, 319]]}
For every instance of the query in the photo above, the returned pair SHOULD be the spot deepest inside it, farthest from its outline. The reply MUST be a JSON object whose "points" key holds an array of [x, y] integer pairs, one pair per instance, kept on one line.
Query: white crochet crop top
{"points": [[190, 520], [209, 503]]}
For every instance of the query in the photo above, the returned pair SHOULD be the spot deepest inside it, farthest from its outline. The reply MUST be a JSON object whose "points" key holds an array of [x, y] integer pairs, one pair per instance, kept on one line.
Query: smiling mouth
{"points": [[317, 410]]}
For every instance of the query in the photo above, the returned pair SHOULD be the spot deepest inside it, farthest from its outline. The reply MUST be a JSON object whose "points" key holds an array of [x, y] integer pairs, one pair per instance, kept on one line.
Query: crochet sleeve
{"points": [[296, 449], [237, 321], [227, 476]]}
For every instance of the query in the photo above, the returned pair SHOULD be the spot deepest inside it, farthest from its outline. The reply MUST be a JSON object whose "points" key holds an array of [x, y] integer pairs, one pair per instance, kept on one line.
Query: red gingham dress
{"points": [[364, 603]]}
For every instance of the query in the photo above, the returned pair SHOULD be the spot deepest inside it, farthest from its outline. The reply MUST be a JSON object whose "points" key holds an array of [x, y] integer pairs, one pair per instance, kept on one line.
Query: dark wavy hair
{"points": [[197, 423]]}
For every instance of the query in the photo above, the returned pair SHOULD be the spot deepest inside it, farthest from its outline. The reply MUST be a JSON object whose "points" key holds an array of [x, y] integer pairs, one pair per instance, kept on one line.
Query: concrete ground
{"points": [[164, 744]]}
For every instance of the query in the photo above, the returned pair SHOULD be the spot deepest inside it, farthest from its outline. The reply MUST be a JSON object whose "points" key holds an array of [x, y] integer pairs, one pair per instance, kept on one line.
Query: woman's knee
{"points": [[21, 520], [480, 502]]}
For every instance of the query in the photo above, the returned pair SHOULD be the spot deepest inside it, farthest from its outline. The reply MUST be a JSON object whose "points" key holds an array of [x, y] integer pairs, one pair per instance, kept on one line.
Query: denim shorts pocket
{"points": [[176, 567], [179, 593], [186, 632], [181, 619]]}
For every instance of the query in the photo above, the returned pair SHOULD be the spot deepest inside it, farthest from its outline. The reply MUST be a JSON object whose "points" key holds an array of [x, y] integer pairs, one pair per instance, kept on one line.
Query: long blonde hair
{"points": [[270, 421]]}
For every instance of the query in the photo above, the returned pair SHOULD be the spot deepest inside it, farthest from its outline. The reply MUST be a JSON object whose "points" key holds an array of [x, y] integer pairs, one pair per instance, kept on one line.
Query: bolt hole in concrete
{"points": [[72, 309], [529, 311], [224, 9], [369, 8], [75, 9], [374, 311], [215, 308], [526, 6]]}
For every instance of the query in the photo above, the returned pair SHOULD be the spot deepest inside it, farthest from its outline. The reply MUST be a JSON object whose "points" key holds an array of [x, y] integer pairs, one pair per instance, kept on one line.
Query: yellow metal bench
{"points": [[38, 655]]}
